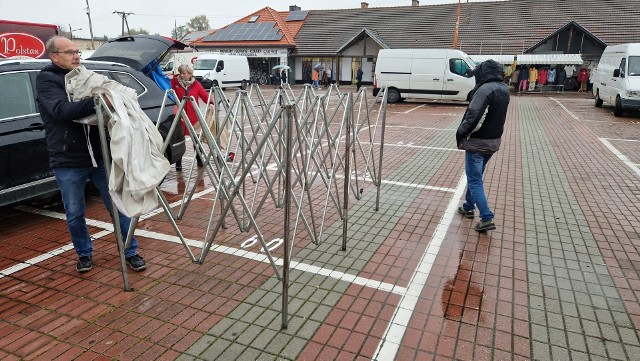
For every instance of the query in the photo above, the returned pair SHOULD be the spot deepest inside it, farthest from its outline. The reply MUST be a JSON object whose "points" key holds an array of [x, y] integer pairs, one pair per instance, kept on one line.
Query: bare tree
{"points": [[198, 23]]}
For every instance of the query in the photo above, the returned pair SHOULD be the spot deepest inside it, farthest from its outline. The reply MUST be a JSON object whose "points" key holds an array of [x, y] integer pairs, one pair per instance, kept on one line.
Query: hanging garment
{"points": [[583, 76], [522, 86], [532, 85], [514, 77], [533, 74], [551, 76], [138, 165], [524, 73], [561, 76], [507, 70], [542, 76]]}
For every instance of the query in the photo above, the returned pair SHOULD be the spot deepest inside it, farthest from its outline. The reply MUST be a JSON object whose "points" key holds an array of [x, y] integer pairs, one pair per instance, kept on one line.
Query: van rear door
{"points": [[427, 73]]}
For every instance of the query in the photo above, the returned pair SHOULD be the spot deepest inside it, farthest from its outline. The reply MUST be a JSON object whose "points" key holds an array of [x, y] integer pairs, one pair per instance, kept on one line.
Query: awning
{"points": [[550, 59]]}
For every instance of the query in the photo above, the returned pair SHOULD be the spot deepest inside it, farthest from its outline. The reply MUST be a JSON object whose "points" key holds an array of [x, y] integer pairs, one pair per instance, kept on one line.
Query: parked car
{"points": [[24, 161]]}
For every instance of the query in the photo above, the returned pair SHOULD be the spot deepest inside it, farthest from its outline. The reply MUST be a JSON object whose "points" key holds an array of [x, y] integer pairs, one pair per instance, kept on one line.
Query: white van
{"points": [[617, 78], [438, 74], [171, 67], [222, 70]]}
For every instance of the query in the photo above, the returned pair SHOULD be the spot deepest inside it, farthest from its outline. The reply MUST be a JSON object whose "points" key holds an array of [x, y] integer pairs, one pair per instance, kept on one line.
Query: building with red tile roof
{"points": [[340, 40]]}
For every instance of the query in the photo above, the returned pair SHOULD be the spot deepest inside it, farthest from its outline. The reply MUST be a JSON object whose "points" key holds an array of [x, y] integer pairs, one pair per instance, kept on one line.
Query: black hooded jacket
{"points": [[483, 122], [66, 140]]}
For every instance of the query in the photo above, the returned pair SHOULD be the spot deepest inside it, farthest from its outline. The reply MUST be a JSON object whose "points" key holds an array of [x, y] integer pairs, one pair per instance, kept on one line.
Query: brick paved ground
{"points": [[557, 280]]}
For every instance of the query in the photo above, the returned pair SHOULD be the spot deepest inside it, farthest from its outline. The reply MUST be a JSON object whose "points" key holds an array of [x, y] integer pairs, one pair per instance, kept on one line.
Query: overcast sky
{"points": [[159, 16]]}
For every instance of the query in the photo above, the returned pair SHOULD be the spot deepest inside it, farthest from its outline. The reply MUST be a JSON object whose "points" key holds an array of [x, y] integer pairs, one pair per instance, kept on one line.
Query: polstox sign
{"points": [[20, 45]]}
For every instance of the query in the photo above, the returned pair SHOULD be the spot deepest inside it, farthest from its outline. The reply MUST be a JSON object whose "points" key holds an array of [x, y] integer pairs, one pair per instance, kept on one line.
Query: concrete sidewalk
{"points": [[557, 280]]}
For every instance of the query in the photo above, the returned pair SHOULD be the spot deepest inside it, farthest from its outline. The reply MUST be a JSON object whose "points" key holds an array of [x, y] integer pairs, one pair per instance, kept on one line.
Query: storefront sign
{"points": [[20, 45], [254, 52]]}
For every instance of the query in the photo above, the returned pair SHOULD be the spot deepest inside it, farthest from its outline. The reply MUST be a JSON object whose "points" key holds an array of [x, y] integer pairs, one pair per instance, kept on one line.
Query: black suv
{"points": [[24, 160]]}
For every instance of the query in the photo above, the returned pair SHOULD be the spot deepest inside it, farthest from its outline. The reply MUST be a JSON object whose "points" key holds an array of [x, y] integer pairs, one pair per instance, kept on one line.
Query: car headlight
{"points": [[206, 76], [633, 94]]}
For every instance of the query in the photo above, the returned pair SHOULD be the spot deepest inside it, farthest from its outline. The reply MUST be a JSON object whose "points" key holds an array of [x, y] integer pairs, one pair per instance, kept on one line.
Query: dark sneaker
{"points": [[468, 214], [136, 263], [484, 226], [84, 264]]}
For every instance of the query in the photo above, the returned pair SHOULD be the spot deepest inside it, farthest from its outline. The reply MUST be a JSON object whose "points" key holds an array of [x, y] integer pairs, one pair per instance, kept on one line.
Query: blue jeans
{"points": [[475, 164], [316, 84], [72, 182]]}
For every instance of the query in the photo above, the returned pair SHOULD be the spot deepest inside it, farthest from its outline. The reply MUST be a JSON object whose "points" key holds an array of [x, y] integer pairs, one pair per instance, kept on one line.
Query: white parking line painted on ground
{"points": [[565, 109], [621, 140], [259, 257], [43, 257], [425, 128], [414, 108], [622, 157], [404, 184], [390, 343], [421, 147]]}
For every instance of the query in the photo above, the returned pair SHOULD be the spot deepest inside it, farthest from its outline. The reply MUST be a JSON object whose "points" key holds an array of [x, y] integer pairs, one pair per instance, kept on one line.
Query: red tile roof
{"points": [[289, 30]]}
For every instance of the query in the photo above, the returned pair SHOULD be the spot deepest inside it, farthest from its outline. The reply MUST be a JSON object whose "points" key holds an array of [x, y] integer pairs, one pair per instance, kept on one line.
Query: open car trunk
{"points": [[141, 52]]}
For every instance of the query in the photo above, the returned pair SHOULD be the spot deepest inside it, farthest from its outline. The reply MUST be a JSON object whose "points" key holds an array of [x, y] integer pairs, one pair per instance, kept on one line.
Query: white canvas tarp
{"points": [[550, 59]]}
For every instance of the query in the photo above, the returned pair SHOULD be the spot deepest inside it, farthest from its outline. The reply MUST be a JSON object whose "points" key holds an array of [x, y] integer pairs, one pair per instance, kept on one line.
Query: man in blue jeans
{"points": [[479, 135], [74, 151]]}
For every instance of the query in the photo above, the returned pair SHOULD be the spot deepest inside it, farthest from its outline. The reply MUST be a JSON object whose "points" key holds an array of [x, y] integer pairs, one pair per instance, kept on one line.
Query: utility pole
{"points": [[124, 15], [71, 30], [93, 47]]}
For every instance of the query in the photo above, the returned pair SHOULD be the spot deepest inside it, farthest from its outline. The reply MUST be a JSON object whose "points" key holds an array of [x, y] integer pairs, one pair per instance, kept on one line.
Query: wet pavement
{"points": [[557, 280]]}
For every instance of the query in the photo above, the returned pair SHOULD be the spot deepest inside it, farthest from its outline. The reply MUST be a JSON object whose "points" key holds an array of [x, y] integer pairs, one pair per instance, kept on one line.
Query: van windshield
{"points": [[634, 66], [204, 64]]}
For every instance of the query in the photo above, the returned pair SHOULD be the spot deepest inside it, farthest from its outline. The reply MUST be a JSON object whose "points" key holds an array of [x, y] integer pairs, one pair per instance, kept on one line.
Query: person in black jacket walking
{"points": [[74, 151], [479, 134]]}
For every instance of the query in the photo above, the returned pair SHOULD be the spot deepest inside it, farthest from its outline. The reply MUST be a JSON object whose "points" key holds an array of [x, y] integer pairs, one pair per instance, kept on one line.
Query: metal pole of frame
{"points": [[288, 122], [347, 171], [106, 159], [383, 110]]}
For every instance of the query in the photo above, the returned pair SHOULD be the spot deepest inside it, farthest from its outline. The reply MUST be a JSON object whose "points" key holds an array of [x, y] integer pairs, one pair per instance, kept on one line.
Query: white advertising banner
{"points": [[254, 52]]}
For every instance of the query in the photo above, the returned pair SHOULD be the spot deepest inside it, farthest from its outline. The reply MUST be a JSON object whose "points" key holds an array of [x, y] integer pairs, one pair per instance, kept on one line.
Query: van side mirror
{"points": [[218, 68], [616, 73], [469, 73]]}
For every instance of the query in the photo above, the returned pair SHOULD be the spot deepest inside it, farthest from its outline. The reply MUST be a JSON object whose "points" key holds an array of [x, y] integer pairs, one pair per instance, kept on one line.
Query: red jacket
{"points": [[542, 76], [196, 91], [583, 76]]}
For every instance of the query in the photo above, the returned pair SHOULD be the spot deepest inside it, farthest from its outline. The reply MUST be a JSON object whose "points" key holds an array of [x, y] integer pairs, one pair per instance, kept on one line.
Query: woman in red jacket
{"points": [[185, 84]]}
